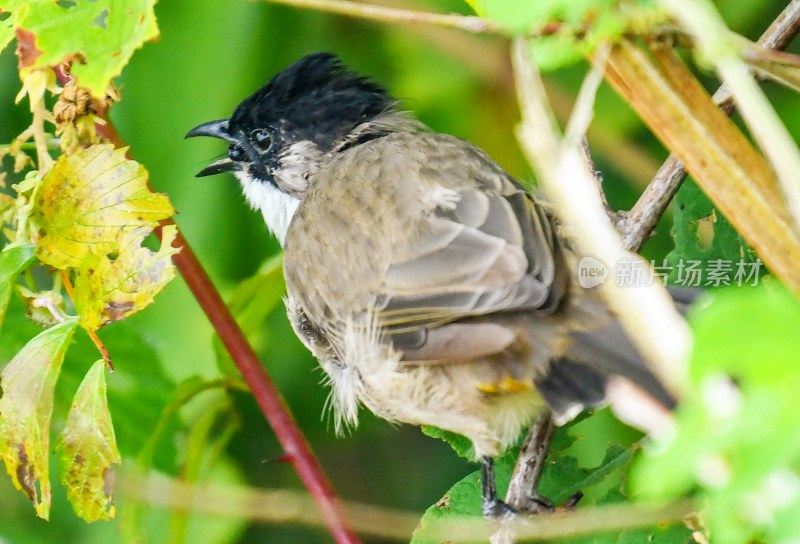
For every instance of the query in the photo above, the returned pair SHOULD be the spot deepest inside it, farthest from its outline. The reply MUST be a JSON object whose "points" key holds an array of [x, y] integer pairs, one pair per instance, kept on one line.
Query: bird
{"points": [[432, 288]]}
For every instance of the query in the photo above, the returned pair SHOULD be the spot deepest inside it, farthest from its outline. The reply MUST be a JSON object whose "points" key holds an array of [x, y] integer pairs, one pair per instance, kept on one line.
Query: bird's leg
{"points": [[493, 507]]}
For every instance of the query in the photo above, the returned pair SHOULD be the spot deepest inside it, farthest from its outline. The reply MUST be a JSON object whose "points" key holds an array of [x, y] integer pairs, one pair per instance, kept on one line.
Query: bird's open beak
{"points": [[214, 129], [217, 167]]}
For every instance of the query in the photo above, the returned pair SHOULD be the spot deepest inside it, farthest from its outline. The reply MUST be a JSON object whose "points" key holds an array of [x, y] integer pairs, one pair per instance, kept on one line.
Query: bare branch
{"points": [[272, 506], [393, 15], [532, 455]]}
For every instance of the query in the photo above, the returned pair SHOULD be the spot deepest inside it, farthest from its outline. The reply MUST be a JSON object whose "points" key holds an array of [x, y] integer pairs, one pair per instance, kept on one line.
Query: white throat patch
{"points": [[276, 206]]}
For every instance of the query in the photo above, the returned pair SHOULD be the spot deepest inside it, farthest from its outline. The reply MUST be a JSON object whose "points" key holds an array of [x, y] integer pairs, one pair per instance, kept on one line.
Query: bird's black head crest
{"points": [[315, 99]]}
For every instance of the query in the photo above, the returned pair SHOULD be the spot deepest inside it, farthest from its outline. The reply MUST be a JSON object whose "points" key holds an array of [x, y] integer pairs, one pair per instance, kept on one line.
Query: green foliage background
{"points": [[211, 55]]}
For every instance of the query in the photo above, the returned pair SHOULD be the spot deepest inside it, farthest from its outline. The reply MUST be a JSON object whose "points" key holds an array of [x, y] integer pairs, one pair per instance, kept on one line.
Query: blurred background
{"points": [[209, 57]]}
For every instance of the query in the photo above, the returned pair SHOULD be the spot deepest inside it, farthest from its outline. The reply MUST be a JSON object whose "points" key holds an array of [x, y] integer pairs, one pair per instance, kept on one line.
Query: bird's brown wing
{"points": [[421, 230], [491, 249]]}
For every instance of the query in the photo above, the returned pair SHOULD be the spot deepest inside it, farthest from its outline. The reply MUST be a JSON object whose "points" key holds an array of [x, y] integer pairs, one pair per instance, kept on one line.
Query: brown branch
{"points": [[292, 506], [388, 15], [521, 494], [394, 15], [276, 506], [642, 218], [266, 394]]}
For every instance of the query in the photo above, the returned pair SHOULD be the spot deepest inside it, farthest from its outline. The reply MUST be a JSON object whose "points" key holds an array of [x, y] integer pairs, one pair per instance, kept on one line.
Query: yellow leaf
{"points": [[90, 449], [109, 290], [90, 201], [28, 383]]}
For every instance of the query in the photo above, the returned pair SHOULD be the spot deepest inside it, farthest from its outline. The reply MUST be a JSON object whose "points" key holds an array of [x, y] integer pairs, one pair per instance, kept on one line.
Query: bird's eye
{"points": [[236, 152], [261, 138]]}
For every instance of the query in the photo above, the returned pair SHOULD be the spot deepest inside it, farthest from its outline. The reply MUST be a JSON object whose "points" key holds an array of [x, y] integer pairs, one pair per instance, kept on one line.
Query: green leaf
{"points": [[12, 261], [43, 307], [107, 291], [708, 252], [256, 297], [738, 437], [516, 15], [460, 444], [555, 51], [6, 31], [28, 384], [91, 201], [566, 31], [105, 33], [89, 449]]}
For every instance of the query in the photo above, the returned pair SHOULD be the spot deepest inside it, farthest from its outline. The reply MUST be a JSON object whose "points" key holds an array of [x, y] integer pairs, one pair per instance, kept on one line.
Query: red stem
{"points": [[294, 444], [269, 399]]}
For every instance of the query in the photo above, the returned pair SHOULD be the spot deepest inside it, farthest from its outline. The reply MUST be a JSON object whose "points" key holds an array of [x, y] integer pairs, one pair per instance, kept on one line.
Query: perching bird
{"points": [[431, 287]]}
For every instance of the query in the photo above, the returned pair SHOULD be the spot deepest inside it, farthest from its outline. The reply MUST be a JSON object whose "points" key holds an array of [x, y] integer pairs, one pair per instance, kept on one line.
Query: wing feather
{"points": [[504, 258]]}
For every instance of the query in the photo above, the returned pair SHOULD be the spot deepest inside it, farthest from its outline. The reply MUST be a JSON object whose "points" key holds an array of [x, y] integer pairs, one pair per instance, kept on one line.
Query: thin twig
{"points": [[265, 505], [571, 184], [581, 117], [393, 15], [642, 219], [264, 391], [586, 155], [290, 506]]}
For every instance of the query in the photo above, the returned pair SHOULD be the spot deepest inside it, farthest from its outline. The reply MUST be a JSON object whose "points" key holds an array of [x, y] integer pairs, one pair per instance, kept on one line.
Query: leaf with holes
{"points": [[28, 384], [109, 290], [89, 449], [708, 252], [12, 261], [6, 31], [91, 201], [101, 34]]}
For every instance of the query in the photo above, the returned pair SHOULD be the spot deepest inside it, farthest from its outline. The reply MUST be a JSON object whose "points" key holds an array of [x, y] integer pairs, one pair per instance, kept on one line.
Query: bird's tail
{"points": [[593, 360]]}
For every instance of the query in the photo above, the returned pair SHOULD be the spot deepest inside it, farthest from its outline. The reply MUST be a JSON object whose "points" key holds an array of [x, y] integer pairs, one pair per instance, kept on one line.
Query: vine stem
{"points": [[266, 394]]}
